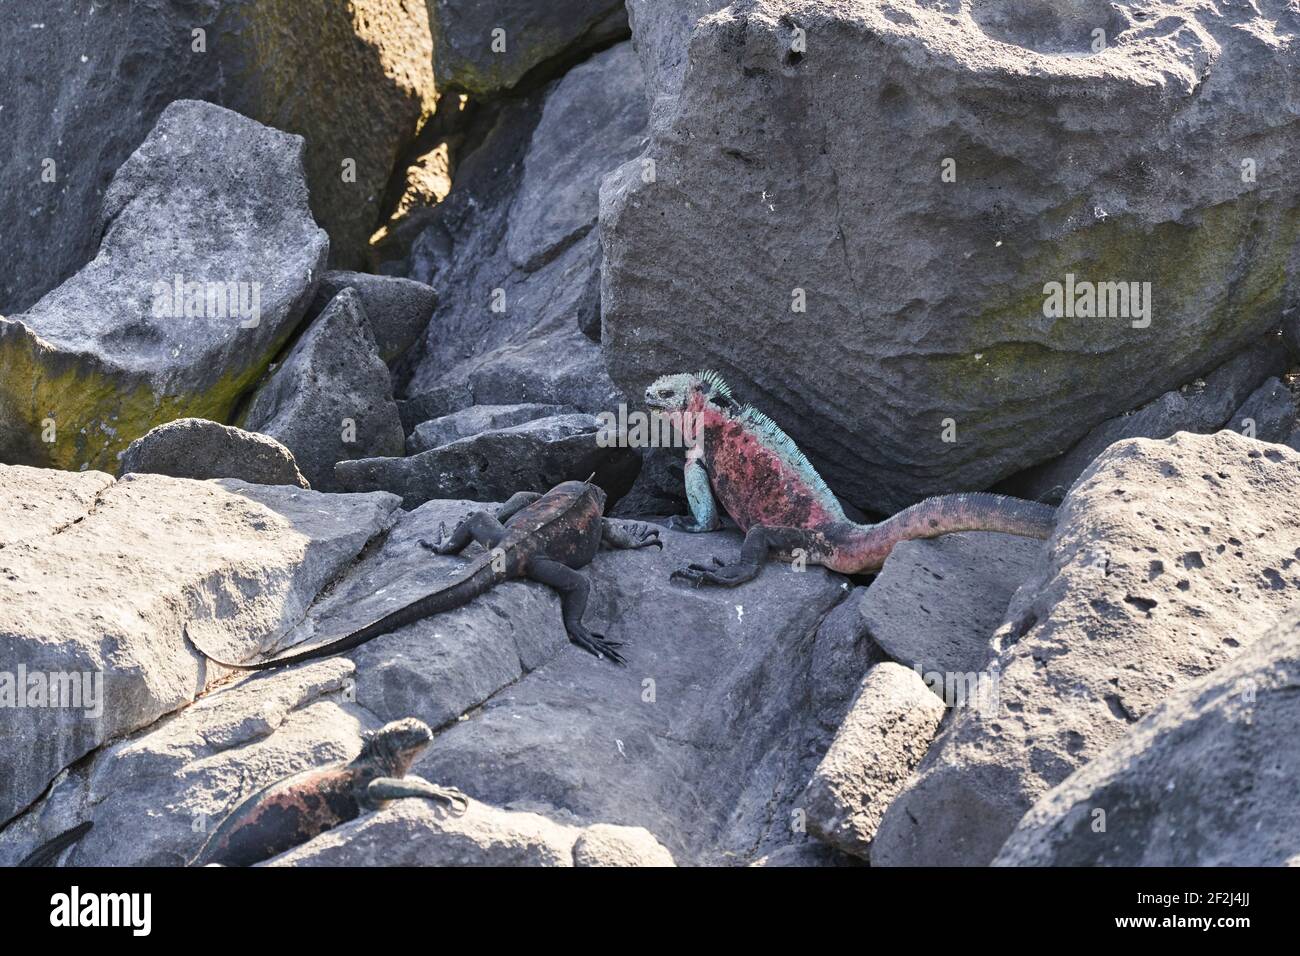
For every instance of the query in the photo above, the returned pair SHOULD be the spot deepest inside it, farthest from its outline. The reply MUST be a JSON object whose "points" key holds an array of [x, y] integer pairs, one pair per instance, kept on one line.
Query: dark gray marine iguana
{"points": [[738, 457], [543, 538], [292, 811]]}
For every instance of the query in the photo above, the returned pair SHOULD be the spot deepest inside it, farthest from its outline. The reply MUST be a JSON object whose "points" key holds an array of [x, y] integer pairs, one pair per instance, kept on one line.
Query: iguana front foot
{"points": [[628, 536], [444, 543], [394, 788], [719, 573]]}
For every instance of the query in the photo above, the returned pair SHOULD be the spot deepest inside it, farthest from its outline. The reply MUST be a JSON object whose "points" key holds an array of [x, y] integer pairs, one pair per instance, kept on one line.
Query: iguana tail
{"points": [[48, 852], [476, 580], [865, 548]]}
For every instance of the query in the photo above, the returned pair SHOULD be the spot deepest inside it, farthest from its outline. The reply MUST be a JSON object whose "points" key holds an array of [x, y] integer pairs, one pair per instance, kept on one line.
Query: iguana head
{"points": [[687, 392], [395, 746]]}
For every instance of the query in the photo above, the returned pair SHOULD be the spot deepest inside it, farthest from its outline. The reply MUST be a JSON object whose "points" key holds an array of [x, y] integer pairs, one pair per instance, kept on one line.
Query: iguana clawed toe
{"points": [[738, 458]]}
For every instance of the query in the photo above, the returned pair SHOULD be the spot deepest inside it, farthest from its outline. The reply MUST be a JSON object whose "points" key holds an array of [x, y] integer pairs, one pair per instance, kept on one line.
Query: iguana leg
{"points": [[704, 507], [480, 526], [573, 588], [626, 536], [392, 788], [517, 503], [759, 541]]}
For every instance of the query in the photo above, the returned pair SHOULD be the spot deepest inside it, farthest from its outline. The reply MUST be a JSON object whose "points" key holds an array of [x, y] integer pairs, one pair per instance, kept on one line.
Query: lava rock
{"points": [[197, 448], [398, 309], [475, 420], [208, 261], [1206, 779], [332, 398], [935, 604], [488, 46], [870, 328], [91, 80], [1168, 557], [493, 465]]}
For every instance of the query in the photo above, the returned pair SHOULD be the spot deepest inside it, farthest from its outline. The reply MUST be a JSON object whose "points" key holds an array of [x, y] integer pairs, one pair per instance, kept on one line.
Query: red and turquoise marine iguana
{"points": [[543, 538], [738, 457]]}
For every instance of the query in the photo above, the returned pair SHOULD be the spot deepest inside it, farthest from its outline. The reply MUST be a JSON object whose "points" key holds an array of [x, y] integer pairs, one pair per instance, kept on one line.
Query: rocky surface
{"points": [[705, 739], [883, 737], [197, 448], [490, 45], [661, 34], [398, 309], [149, 561], [796, 116], [1202, 406], [492, 465], [935, 604], [332, 397], [1269, 414], [1206, 779], [855, 212], [474, 421], [1168, 558], [91, 80], [642, 747], [513, 251], [412, 833], [660, 487], [209, 198], [38, 502]]}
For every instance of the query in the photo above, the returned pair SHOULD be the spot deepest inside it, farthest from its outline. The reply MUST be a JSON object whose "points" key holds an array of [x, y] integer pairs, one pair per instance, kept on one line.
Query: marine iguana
{"points": [[543, 538], [291, 811], [738, 457]]}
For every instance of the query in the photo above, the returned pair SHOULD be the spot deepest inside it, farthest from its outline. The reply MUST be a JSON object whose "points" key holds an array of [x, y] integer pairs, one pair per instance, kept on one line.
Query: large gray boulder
{"points": [[513, 251], [197, 448], [150, 562], [935, 604], [332, 398], [1168, 558], [86, 82], [211, 202], [1206, 779], [488, 46], [491, 466], [805, 166], [884, 736]]}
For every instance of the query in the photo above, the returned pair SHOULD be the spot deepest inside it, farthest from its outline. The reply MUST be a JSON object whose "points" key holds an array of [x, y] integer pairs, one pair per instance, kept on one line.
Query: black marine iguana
{"points": [[292, 811], [777, 498], [543, 538]]}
